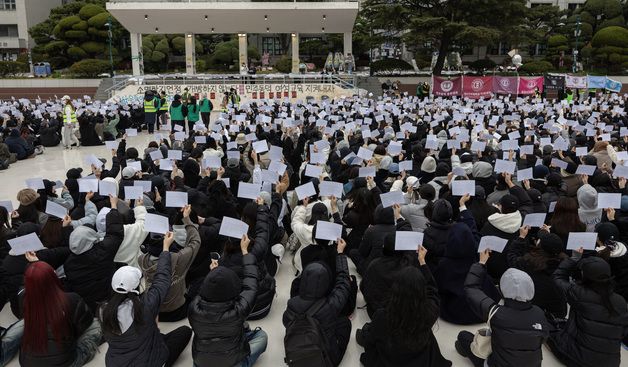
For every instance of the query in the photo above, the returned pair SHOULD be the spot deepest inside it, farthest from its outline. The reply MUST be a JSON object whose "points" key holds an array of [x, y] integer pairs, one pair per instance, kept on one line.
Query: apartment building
{"points": [[16, 17]]}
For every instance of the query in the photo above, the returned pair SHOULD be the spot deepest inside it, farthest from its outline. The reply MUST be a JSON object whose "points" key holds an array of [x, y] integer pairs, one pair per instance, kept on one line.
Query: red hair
{"points": [[46, 308]]}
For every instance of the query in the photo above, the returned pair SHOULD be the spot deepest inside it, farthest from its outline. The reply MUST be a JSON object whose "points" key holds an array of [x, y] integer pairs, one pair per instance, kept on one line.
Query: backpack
{"points": [[305, 342]]}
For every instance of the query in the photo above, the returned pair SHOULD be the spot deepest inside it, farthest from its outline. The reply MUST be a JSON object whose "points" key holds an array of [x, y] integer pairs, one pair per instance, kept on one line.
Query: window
{"points": [[272, 46], [8, 30], [572, 6], [7, 4]]}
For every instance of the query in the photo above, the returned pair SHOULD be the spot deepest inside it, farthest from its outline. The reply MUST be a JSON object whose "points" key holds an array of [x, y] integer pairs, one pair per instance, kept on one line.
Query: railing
{"points": [[230, 1], [344, 81]]}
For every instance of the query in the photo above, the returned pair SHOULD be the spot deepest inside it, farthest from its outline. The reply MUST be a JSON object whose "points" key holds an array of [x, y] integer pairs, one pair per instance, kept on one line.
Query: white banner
{"points": [[578, 82]]}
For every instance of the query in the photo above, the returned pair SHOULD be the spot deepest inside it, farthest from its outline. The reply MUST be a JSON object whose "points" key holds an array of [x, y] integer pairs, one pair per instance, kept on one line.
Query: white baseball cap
{"points": [[65, 98], [126, 280]]}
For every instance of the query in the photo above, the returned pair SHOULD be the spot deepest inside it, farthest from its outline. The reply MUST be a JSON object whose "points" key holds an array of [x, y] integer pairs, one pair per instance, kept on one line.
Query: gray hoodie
{"points": [[588, 212]]}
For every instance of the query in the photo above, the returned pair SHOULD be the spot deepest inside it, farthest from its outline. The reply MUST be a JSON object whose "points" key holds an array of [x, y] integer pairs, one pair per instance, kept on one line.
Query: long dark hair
{"points": [[109, 315], [5, 225], [408, 310], [605, 290], [46, 308], [565, 218], [363, 203]]}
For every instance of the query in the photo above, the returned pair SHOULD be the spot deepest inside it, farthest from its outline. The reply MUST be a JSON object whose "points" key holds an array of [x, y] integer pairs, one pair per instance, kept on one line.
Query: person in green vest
{"points": [[426, 89], [569, 96], [185, 97], [178, 111], [194, 114], [70, 125], [234, 98], [206, 108], [151, 105], [162, 114], [419, 90]]}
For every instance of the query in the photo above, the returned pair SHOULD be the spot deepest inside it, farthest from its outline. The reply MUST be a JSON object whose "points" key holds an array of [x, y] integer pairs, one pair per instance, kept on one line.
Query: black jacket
{"points": [[314, 286], [519, 329], [49, 136], [219, 338], [591, 337], [381, 350], [547, 295], [89, 274], [435, 241], [143, 345], [372, 243], [63, 354]]}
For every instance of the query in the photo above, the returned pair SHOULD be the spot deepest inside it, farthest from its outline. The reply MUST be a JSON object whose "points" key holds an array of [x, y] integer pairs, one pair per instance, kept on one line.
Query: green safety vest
{"points": [[569, 97], [72, 119], [193, 116], [149, 106], [205, 105], [164, 106], [176, 113]]}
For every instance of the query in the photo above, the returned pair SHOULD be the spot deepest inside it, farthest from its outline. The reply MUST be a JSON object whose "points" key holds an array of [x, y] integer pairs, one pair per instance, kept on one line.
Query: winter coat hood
{"points": [[83, 239], [315, 281], [458, 242], [509, 223], [384, 215]]}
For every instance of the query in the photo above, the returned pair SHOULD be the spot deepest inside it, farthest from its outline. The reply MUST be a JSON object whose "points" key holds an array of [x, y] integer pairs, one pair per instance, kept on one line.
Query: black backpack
{"points": [[305, 342]]}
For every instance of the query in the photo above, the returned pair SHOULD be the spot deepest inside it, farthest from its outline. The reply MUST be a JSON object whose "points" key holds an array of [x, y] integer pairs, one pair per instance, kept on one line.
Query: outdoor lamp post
{"points": [[575, 50], [109, 24]]}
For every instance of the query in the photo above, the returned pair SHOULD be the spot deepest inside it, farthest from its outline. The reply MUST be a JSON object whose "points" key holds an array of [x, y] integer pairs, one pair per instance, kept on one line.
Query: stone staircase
{"points": [[371, 84], [101, 93]]}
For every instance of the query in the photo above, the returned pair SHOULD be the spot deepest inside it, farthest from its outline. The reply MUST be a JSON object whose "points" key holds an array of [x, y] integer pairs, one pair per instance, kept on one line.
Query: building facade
{"points": [[16, 17]]}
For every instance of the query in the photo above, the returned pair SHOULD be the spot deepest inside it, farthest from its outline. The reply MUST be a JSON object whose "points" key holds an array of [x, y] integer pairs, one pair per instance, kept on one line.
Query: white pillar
{"points": [[190, 54], [295, 53], [137, 59], [348, 40], [243, 56]]}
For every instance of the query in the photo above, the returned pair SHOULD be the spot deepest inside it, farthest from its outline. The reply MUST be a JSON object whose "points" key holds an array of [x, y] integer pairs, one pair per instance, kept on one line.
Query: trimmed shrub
{"points": [[557, 40], [157, 56], [99, 20], [55, 47], [68, 22], [77, 53], [90, 10], [92, 47], [90, 68], [390, 66], [178, 44], [482, 64], [80, 26], [11, 68], [284, 65], [200, 65], [611, 36], [78, 35], [536, 67]]}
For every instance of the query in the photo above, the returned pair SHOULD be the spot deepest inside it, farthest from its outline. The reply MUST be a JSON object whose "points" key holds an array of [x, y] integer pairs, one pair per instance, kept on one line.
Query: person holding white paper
{"points": [[395, 336], [174, 306], [90, 266], [539, 258], [595, 307], [566, 219], [257, 216], [588, 211], [519, 327]]}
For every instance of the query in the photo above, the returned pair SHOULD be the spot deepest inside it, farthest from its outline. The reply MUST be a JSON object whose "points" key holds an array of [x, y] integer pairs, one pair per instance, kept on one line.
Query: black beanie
{"points": [[551, 243], [220, 285]]}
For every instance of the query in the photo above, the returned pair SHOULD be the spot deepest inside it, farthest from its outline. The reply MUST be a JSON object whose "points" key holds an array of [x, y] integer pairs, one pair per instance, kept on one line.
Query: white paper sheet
{"points": [[248, 190], [408, 240], [88, 184], [463, 187], [35, 183], [391, 198], [260, 146], [156, 154], [146, 185], [586, 240], [365, 153], [278, 167], [405, 166], [212, 162], [580, 151], [525, 174], [305, 190], [504, 166], [23, 244], [233, 228], [366, 172], [55, 209], [534, 220], [584, 169], [8, 204], [608, 201], [135, 164], [106, 188], [155, 223], [131, 132], [459, 171], [175, 155], [328, 231], [176, 199], [165, 164], [133, 192], [112, 144], [313, 171], [493, 243], [330, 188]]}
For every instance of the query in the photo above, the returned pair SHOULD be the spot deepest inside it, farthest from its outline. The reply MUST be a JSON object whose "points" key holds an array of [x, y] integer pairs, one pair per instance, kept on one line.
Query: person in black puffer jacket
{"points": [[387, 220], [598, 317], [258, 217], [315, 286], [379, 275], [519, 328], [49, 134], [90, 266], [435, 235], [218, 313]]}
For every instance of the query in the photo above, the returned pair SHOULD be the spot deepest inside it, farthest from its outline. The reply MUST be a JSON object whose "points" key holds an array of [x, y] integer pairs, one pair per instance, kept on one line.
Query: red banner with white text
{"points": [[527, 85], [447, 87], [477, 87], [505, 84]]}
